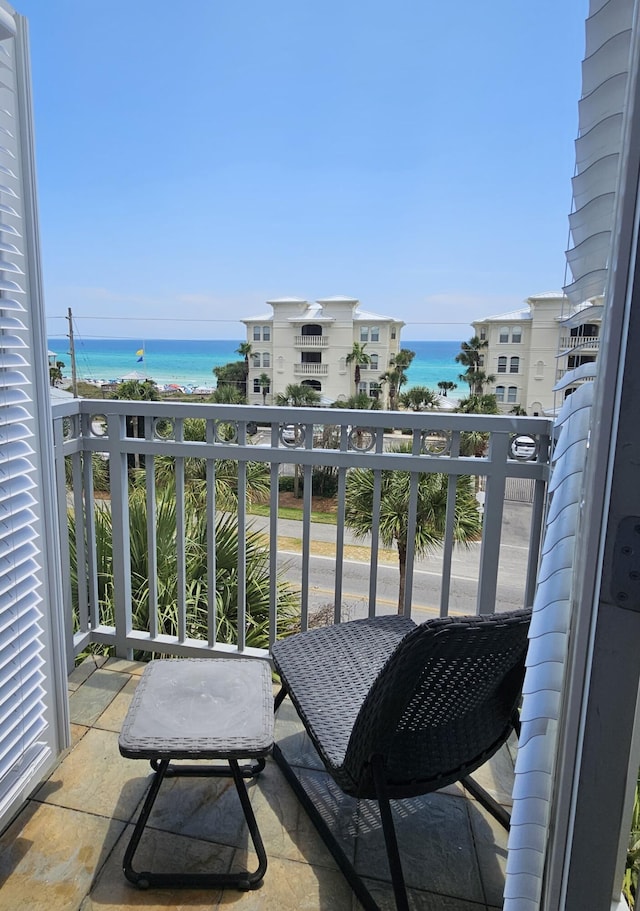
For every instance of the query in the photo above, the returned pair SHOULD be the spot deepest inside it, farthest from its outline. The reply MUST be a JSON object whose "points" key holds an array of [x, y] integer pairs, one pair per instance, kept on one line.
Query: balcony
{"points": [[311, 369], [569, 342], [75, 824], [311, 341]]}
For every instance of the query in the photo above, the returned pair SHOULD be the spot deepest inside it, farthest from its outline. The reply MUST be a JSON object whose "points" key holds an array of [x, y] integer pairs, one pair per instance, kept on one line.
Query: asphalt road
{"points": [[427, 573]]}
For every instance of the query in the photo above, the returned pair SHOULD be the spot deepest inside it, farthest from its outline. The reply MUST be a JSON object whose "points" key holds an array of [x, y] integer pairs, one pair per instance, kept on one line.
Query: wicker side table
{"points": [[212, 709]]}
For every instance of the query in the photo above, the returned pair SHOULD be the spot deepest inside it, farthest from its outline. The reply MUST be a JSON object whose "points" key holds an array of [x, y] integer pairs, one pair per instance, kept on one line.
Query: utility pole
{"points": [[72, 353]]}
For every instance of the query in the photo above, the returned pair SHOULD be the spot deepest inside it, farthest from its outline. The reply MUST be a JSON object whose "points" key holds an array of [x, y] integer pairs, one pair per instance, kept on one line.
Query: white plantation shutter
{"points": [[30, 717], [548, 637], [540, 819]]}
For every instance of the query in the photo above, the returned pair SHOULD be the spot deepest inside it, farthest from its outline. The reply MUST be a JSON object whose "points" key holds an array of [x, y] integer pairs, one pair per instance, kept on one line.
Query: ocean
{"points": [[190, 362]]}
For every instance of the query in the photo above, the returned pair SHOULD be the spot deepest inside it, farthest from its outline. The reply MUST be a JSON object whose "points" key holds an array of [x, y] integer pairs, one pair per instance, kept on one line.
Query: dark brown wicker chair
{"points": [[396, 710]]}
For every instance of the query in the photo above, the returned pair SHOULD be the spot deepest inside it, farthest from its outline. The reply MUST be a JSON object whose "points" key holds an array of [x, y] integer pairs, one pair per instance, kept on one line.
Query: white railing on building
{"points": [[580, 341], [311, 341], [311, 369], [126, 434]]}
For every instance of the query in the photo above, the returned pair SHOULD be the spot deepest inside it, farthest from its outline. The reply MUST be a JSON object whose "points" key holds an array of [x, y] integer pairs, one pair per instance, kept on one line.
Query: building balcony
{"points": [[569, 342], [135, 471], [311, 369], [311, 341]]}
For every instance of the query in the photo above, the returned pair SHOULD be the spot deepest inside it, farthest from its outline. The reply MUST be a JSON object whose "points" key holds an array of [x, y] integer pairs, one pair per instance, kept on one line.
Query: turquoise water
{"points": [[190, 362]]}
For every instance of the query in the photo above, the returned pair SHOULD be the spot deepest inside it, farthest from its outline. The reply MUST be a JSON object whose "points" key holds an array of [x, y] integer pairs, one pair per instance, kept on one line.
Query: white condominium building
{"points": [[522, 353], [303, 343], [530, 349]]}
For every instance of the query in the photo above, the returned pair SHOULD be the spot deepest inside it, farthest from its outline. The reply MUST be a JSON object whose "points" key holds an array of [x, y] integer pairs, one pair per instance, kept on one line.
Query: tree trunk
{"points": [[402, 561]]}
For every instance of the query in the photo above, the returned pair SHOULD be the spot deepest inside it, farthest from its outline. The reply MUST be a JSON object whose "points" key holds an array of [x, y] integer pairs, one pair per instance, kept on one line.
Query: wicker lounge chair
{"points": [[396, 710]]}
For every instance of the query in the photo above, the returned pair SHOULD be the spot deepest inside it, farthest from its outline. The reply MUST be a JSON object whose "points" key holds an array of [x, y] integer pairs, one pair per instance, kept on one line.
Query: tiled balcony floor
{"points": [[64, 851]]}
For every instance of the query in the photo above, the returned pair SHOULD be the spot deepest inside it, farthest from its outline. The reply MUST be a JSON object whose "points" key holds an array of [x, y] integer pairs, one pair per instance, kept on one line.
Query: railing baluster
{"points": [[121, 539], [274, 476], [65, 550], [181, 558], [375, 529], [447, 549], [212, 600], [242, 544], [307, 491], [492, 524], [152, 544]]}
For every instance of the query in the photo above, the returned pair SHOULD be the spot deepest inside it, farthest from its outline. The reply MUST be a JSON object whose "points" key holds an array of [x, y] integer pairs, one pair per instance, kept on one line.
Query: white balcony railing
{"points": [[580, 341], [311, 369], [311, 341], [158, 557]]}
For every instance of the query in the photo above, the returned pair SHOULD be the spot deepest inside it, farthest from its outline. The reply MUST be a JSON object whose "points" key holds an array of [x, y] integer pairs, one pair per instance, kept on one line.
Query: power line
{"points": [[184, 319]]}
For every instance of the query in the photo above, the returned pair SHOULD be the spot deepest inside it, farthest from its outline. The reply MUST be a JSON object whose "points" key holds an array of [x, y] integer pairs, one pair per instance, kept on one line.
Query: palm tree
{"points": [[258, 572], [394, 512], [446, 385], [419, 398], [298, 395], [227, 395], [395, 376], [474, 442], [360, 401], [471, 356], [360, 358], [245, 349], [477, 379], [264, 381], [55, 372]]}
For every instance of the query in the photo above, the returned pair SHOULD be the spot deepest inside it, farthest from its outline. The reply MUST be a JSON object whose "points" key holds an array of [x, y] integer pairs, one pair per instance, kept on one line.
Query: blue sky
{"points": [[196, 159]]}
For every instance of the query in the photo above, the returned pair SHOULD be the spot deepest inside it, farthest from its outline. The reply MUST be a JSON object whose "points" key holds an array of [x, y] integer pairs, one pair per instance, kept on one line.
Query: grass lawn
{"points": [[294, 512]]}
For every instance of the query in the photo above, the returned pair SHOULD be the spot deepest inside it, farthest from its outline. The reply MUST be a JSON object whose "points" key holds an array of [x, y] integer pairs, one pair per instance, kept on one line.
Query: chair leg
{"points": [[488, 802], [348, 871], [391, 841]]}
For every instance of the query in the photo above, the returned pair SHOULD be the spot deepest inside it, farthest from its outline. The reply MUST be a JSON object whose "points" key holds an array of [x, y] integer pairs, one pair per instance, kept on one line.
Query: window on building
{"points": [[375, 334], [393, 334], [483, 334], [362, 387], [364, 333], [514, 365], [516, 335], [266, 333], [512, 394], [256, 333], [502, 365], [374, 362], [266, 358], [256, 386], [504, 335], [255, 360], [500, 393], [374, 390], [539, 370], [481, 360]]}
